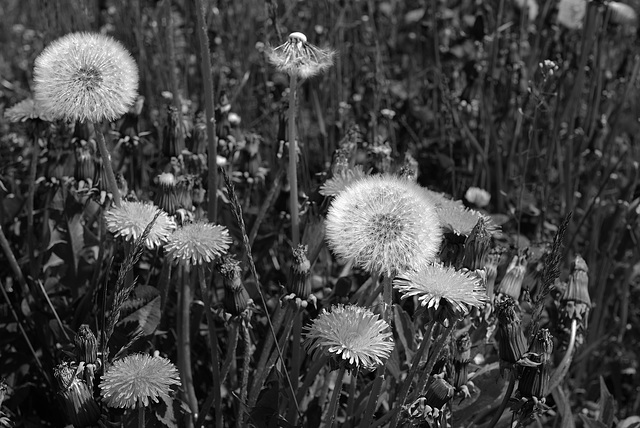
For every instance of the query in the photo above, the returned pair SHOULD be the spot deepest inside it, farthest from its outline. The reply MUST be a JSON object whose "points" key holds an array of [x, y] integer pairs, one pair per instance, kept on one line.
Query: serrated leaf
{"points": [[75, 232], [405, 331], [147, 317], [607, 405]]}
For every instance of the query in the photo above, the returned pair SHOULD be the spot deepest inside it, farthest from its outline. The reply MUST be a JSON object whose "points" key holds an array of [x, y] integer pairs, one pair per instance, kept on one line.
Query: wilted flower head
{"points": [[76, 397], [138, 379], [198, 243], [86, 345], [437, 285], [130, 219], [511, 340], [26, 110], [571, 13], [341, 180], [353, 334], [383, 224], [236, 298], [85, 76], [477, 196], [167, 198], [298, 57], [511, 284]]}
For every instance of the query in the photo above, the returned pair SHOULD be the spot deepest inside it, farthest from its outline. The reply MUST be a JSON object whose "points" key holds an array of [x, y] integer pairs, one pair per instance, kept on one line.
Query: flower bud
{"points": [[476, 246], [511, 340], [236, 298], [77, 401], [299, 283]]}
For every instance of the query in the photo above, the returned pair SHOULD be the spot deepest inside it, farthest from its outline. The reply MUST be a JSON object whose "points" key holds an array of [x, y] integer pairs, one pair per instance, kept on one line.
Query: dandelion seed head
{"points": [[130, 219], [198, 243], [85, 76], [298, 57], [383, 224], [137, 380], [352, 334]]}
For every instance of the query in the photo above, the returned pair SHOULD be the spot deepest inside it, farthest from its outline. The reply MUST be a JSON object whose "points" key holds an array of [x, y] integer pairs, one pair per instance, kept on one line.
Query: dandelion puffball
{"points": [[384, 224], [85, 76]]}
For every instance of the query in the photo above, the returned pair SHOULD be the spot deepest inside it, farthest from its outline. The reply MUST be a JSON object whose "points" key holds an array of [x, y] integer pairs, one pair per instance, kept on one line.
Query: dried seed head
{"points": [[300, 58]]}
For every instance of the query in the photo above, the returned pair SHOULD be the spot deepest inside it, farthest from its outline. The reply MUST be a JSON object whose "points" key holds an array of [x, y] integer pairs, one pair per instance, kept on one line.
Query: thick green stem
{"points": [[351, 403], [141, 421], [184, 342], [333, 404], [35, 155], [213, 341], [293, 160], [107, 165], [246, 358], [372, 404], [296, 356], [212, 151]]}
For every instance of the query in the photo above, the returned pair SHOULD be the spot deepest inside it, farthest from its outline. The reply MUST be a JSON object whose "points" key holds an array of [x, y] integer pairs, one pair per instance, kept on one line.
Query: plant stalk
{"points": [[107, 165], [293, 160], [331, 411]]}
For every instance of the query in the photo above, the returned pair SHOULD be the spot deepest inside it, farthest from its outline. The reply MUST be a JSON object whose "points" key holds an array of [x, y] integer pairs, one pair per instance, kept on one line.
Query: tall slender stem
{"points": [[184, 343], [246, 358], [433, 359], [505, 400], [296, 356], [293, 160], [35, 155], [107, 165], [331, 411], [213, 340], [141, 421], [372, 404], [212, 151]]}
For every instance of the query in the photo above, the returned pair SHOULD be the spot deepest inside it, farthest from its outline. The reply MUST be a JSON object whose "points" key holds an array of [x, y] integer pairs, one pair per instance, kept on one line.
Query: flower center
{"points": [[89, 77], [387, 226]]}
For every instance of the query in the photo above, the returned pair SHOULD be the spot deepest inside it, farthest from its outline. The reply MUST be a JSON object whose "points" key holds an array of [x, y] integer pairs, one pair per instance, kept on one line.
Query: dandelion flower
{"points": [[458, 219], [477, 196], [383, 224], [130, 219], [85, 76], [25, 110], [198, 243], [298, 57], [138, 379], [571, 13], [341, 180], [353, 334], [436, 284]]}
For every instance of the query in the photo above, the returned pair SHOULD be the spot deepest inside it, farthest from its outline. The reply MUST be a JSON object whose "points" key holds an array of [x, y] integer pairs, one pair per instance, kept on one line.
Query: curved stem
{"points": [[293, 160], [505, 401], [563, 367], [331, 411], [213, 341], [107, 165], [415, 363]]}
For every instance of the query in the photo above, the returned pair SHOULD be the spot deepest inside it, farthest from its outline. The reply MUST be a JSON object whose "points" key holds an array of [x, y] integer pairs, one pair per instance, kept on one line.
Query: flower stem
{"points": [[141, 421], [293, 155], [563, 367], [296, 356], [331, 411], [505, 400], [415, 363], [213, 341], [439, 345], [212, 147], [372, 404], [107, 165], [246, 358], [231, 350], [351, 403], [184, 342], [35, 155]]}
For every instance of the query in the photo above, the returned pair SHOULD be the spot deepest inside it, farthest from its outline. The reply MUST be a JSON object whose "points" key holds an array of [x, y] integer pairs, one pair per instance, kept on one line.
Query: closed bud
{"points": [[511, 284], [166, 197], [575, 300], [511, 340], [85, 165], [534, 381], [439, 392], [299, 283], [476, 246], [461, 359], [86, 345], [236, 298], [491, 267]]}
